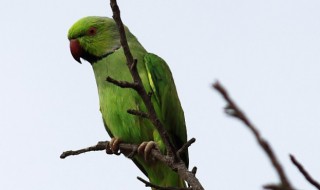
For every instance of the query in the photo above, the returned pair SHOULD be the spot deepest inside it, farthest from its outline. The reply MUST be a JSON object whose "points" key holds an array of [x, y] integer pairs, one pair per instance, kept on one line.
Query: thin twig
{"points": [[102, 145], [148, 184], [233, 110], [138, 113], [194, 170], [185, 147], [273, 187], [131, 149], [98, 147], [122, 84], [304, 172]]}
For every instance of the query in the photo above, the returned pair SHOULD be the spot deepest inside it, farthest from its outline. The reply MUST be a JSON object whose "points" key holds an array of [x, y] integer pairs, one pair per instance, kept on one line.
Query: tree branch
{"points": [[102, 145], [274, 187], [185, 147], [138, 113], [98, 147], [122, 84], [233, 110], [131, 62], [148, 184], [194, 170], [304, 172], [131, 149]]}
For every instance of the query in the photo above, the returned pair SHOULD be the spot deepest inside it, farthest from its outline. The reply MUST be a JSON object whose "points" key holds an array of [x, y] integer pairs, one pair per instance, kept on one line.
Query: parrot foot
{"points": [[113, 146], [146, 147]]}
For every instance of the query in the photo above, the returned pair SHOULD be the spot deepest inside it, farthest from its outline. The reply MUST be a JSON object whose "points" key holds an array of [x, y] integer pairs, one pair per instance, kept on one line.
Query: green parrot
{"points": [[96, 40]]}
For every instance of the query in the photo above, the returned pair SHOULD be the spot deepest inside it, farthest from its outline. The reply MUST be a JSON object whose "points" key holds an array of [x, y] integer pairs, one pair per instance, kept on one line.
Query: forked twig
{"points": [[148, 184], [304, 172], [233, 110]]}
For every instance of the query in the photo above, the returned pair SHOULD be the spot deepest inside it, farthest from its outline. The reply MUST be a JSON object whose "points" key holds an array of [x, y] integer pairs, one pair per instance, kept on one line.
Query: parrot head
{"points": [[93, 38]]}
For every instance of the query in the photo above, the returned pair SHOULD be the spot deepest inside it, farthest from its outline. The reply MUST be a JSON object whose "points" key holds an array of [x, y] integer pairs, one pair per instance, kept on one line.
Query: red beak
{"points": [[76, 49]]}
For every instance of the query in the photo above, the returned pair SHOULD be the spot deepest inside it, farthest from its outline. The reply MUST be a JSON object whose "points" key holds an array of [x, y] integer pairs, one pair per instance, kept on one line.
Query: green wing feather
{"points": [[164, 90]]}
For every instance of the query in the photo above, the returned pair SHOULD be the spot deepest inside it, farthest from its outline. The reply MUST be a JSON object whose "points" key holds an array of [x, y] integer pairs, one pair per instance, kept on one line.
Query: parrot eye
{"points": [[92, 31]]}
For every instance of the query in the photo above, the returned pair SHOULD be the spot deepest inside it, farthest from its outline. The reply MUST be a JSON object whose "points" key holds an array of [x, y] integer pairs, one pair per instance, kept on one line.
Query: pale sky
{"points": [[265, 52]]}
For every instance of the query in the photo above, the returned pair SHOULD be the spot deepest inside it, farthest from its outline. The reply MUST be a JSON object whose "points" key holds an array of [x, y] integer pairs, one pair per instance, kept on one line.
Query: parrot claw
{"points": [[146, 147], [113, 146]]}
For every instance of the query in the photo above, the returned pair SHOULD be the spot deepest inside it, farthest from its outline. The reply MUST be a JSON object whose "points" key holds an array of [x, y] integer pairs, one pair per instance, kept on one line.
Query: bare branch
{"points": [[233, 110], [131, 149], [304, 172], [185, 147], [148, 184], [194, 170], [98, 147], [102, 145], [273, 187], [138, 113], [131, 62], [122, 84]]}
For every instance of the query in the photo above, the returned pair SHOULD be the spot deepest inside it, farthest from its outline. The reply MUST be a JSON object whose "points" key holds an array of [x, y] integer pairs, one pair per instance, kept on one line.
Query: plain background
{"points": [[266, 53]]}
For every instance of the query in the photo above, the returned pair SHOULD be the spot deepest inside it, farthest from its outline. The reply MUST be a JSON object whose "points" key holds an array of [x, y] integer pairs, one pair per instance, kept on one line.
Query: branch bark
{"points": [[131, 149], [148, 184], [304, 172], [131, 62], [233, 110]]}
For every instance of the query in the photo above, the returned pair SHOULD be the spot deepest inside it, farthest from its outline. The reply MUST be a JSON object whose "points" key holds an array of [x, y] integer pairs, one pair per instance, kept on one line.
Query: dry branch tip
{"points": [[304, 172]]}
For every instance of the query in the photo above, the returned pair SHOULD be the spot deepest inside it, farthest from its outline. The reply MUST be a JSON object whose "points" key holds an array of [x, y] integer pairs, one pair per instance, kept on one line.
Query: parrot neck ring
{"points": [[105, 55]]}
